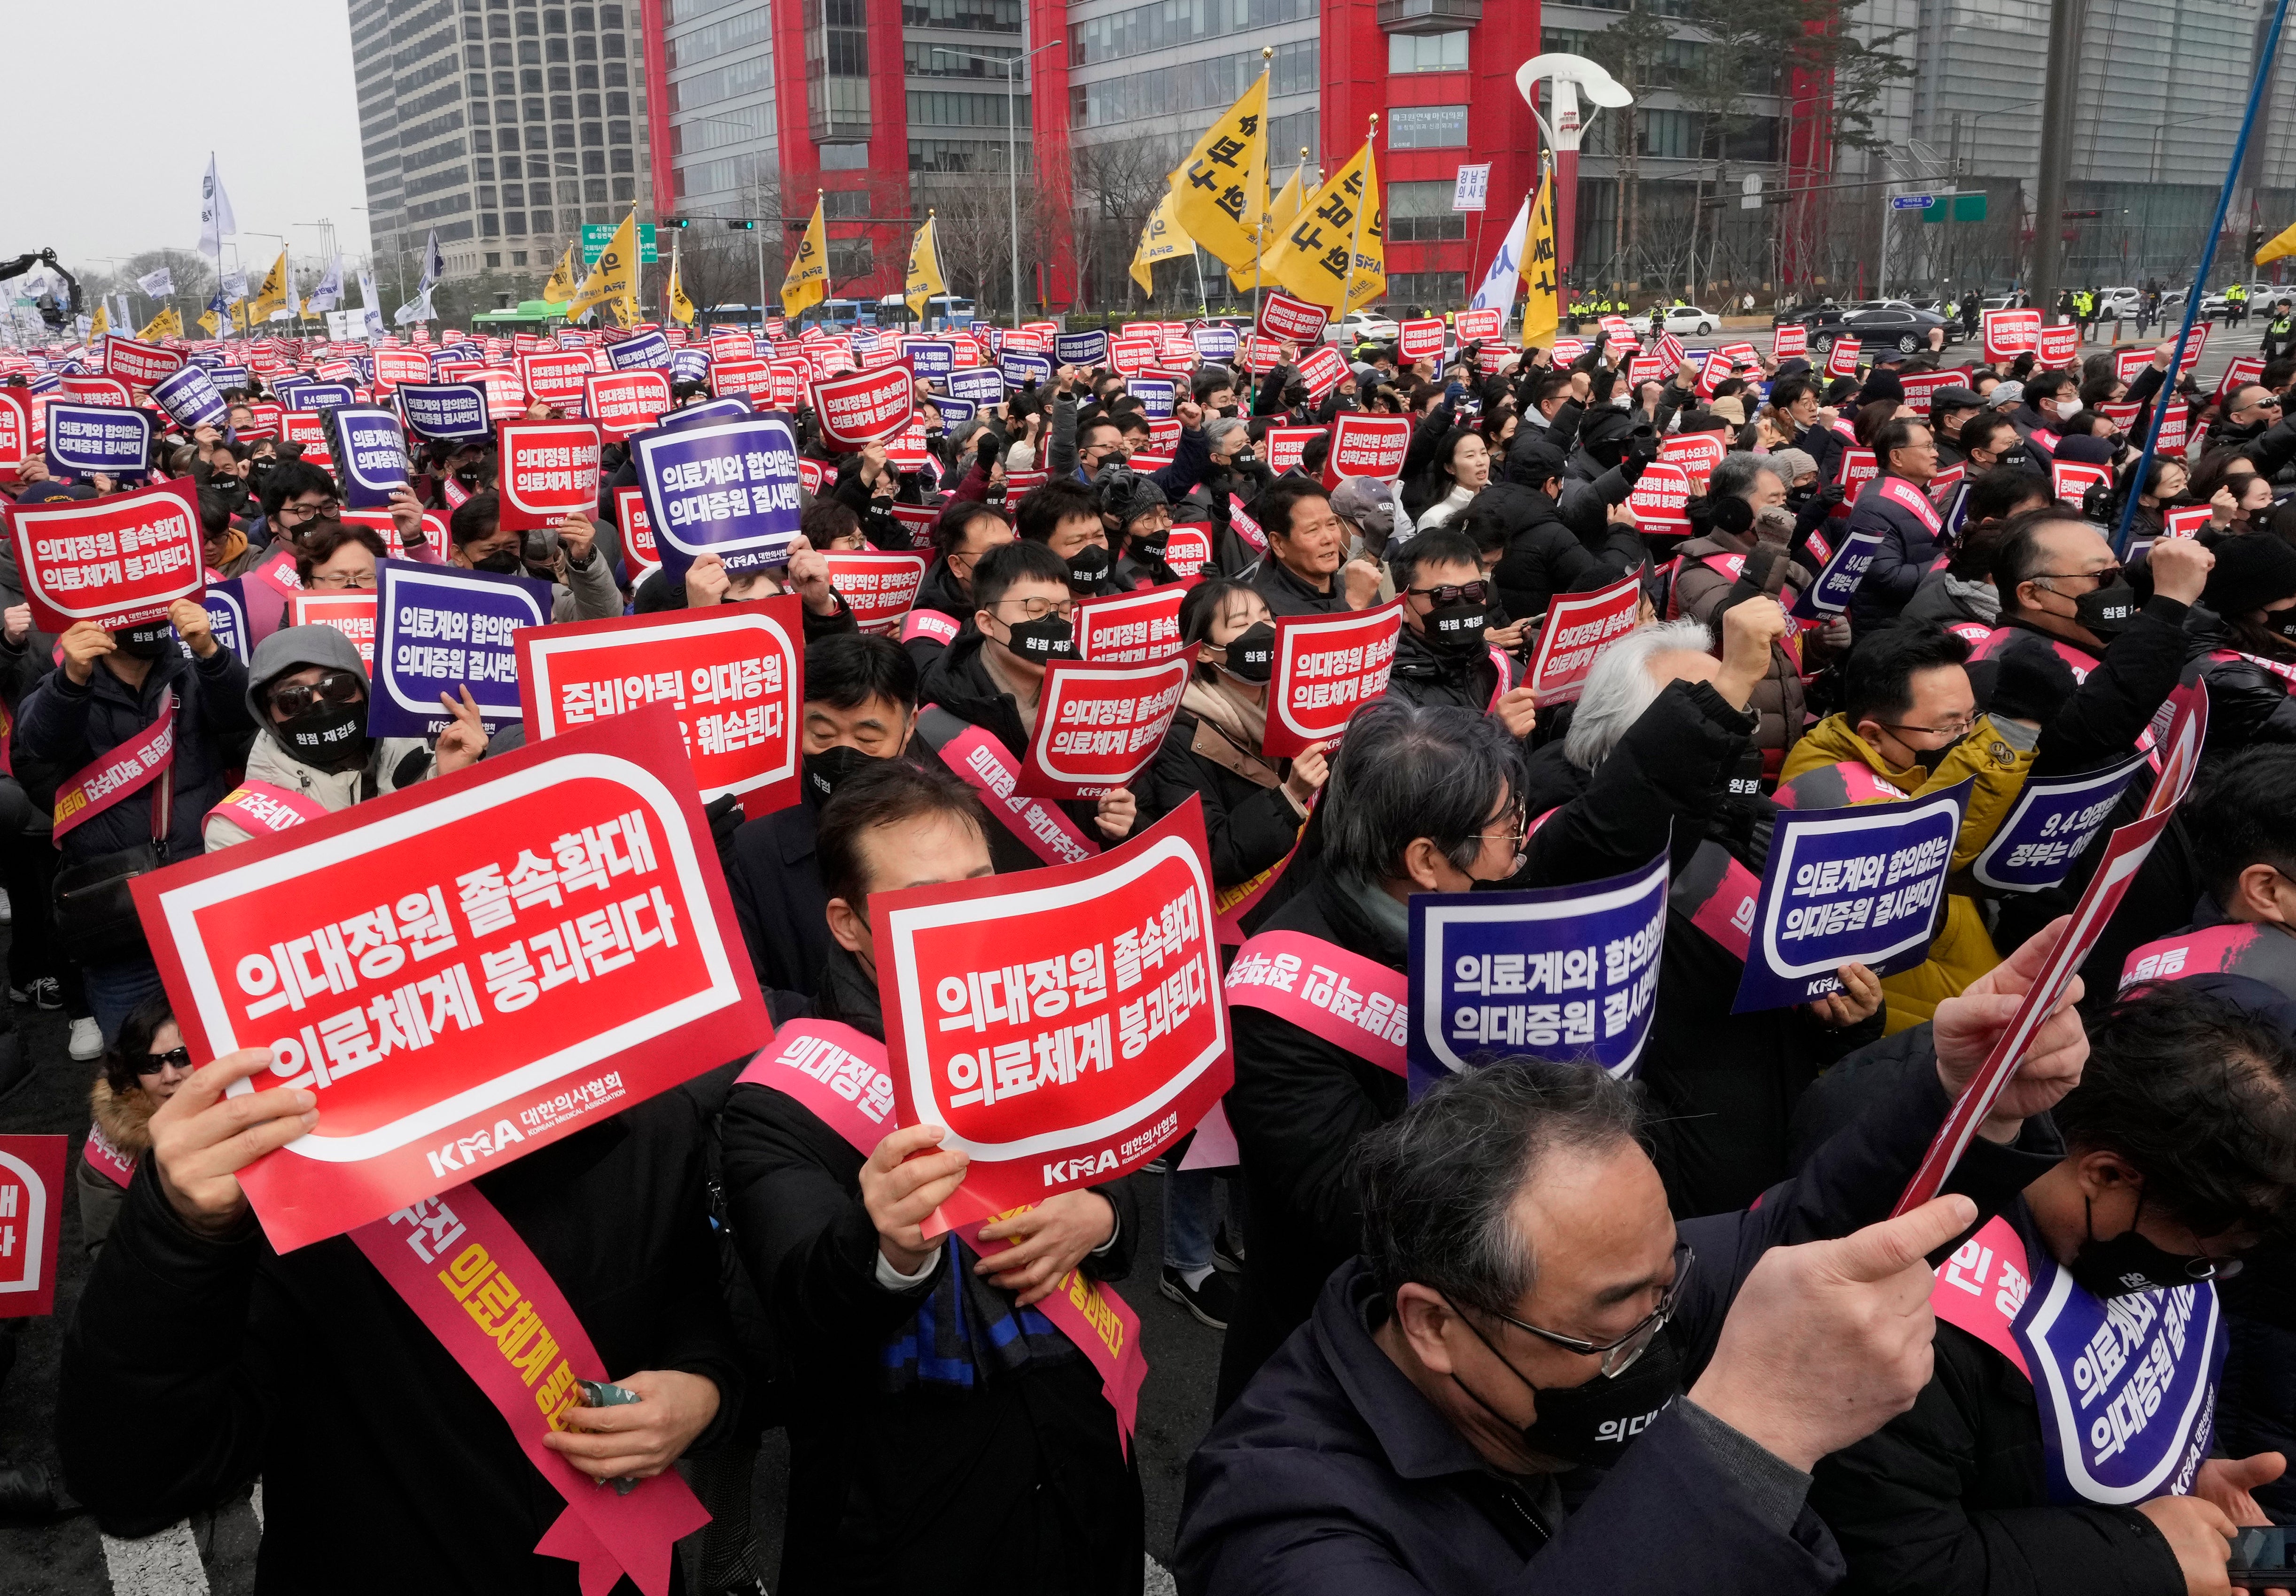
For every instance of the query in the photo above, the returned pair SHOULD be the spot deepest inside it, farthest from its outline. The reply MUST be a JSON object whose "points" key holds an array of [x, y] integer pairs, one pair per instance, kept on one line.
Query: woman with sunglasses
{"points": [[141, 1070], [308, 691]]}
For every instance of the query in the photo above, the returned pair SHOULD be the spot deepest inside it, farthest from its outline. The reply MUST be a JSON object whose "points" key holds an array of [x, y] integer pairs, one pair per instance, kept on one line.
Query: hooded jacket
{"points": [[391, 763], [1212, 752]]}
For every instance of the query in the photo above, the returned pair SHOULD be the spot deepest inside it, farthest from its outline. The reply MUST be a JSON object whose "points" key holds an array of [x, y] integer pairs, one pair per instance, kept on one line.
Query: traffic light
{"points": [[674, 221], [740, 224]]}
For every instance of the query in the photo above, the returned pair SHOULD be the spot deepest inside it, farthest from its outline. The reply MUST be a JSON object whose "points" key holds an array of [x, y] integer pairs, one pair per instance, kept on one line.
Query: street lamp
{"points": [[1012, 141]]}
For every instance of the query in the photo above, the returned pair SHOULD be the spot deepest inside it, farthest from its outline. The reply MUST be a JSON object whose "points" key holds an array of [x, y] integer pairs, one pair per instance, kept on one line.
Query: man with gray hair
{"points": [[1523, 1306]]}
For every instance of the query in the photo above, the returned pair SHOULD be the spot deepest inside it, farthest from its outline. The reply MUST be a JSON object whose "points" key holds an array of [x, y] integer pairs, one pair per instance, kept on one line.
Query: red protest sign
{"points": [[350, 613], [1696, 452], [31, 1222], [637, 528], [92, 390], [2239, 371], [2009, 334], [549, 470], [15, 431], [2176, 424], [138, 365], [1660, 494], [879, 588], [1098, 726], [379, 523], [1290, 320], [625, 402], [749, 378], [790, 378], [1921, 387], [1858, 467], [462, 971], [505, 394], [114, 561], [1843, 361], [1188, 549], [1421, 339], [1367, 446], [304, 426], [1321, 369], [1787, 342], [393, 367], [2129, 362], [1326, 667], [262, 421], [863, 407], [1087, 1035], [2070, 481], [2122, 417], [1284, 444], [1579, 626], [1131, 356], [1130, 627], [1475, 326], [2059, 346], [734, 675], [2186, 522], [556, 377]]}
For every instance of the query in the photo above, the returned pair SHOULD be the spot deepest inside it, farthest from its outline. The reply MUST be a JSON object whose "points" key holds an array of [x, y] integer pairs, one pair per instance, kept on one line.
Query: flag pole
{"points": [[1355, 236]]}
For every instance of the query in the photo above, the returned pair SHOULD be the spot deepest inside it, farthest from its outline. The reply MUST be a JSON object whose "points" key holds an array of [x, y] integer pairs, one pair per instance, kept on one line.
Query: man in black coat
{"points": [[1547, 518], [1413, 1436], [1441, 657], [186, 1336], [860, 705], [946, 1437], [1306, 570]]}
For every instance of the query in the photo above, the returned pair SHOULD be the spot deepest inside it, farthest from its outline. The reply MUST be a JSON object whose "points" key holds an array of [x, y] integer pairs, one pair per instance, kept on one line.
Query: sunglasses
{"points": [[175, 1058], [335, 687], [1455, 593]]}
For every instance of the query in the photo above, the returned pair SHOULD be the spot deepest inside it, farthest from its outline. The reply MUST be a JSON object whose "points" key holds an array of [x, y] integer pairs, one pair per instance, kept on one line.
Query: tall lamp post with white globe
{"points": [[1569, 79]]}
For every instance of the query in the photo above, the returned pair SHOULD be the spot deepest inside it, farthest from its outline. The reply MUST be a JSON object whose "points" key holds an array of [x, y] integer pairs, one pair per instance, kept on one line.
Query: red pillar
{"points": [[1500, 127], [657, 92], [1048, 139]]}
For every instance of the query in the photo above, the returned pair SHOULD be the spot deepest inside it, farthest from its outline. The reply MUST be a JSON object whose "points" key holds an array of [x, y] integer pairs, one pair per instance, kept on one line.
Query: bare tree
{"points": [[1119, 185]]}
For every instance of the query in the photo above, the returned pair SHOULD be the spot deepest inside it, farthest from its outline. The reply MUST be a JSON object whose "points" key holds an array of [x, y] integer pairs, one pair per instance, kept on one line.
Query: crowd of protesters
{"points": [[1540, 1329]]}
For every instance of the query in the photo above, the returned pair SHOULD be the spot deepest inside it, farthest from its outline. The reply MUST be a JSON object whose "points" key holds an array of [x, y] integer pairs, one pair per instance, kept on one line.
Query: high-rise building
{"points": [[506, 125]]}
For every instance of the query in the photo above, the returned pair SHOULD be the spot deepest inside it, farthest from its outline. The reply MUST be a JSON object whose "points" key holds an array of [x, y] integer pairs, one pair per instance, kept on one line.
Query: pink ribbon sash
{"points": [[259, 808], [983, 763], [1346, 999], [129, 768]]}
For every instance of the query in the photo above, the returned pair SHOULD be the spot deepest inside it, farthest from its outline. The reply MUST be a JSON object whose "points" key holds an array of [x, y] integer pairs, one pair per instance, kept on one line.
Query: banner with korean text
{"points": [[1098, 726], [116, 560], [549, 471], [440, 629], [877, 588], [1579, 626], [1327, 668], [726, 487], [31, 1222]]}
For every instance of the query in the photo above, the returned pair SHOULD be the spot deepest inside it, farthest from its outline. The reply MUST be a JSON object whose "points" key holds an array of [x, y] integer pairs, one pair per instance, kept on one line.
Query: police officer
{"points": [[2280, 332]]}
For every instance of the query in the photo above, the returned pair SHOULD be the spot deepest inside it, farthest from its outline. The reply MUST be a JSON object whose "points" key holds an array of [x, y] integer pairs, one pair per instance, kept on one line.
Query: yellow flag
{"points": [[561, 286], [808, 282], [615, 278], [1335, 254], [166, 325], [681, 309], [1161, 240], [99, 324], [211, 322], [1218, 191], [1541, 285], [1281, 214], [925, 279], [273, 295], [2284, 244]]}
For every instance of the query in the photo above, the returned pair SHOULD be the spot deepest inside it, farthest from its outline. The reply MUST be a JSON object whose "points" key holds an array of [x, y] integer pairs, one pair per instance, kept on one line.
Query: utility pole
{"points": [[2056, 153]]}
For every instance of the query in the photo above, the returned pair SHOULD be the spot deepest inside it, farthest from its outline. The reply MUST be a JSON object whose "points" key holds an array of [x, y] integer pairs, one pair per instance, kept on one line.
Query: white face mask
{"points": [[2068, 408]]}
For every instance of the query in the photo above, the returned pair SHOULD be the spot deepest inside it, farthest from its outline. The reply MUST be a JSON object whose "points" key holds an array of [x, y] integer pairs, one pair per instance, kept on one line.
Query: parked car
{"points": [[1690, 319], [1360, 327], [1876, 323]]}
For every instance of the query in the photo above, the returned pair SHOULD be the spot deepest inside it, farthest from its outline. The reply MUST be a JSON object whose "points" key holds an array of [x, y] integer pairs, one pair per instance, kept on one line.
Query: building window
{"points": [[494, 257], [554, 22], [476, 83], [618, 105], [1193, 85], [846, 204], [506, 85], [541, 219], [1430, 290], [1427, 52], [530, 53], [561, 78], [518, 257], [489, 225], [562, 108], [621, 158], [593, 190], [1420, 213], [594, 162], [1427, 127], [845, 158], [585, 77], [626, 188], [850, 258]]}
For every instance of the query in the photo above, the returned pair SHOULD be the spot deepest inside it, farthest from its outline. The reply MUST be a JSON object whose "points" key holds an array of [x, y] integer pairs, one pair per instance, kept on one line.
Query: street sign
{"points": [[1912, 201], [1750, 193], [1473, 188], [598, 235]]}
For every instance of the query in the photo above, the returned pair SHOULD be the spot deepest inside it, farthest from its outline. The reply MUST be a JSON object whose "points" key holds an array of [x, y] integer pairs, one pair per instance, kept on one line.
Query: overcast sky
{"points": [[109, 151]]}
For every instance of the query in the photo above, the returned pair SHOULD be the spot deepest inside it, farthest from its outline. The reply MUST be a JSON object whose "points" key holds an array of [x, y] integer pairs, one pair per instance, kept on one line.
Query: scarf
{"points": [[1982, 597], [1214, 701], [233, 545]]}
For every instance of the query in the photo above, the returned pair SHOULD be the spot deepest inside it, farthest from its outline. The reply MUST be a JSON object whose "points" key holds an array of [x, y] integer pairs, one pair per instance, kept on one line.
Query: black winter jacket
{"points": [[1248, 824], [774, 879]]}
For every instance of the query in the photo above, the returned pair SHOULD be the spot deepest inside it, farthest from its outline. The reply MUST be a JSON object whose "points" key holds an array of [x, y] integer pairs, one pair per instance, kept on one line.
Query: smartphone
{"points": [[2260, 1559]]}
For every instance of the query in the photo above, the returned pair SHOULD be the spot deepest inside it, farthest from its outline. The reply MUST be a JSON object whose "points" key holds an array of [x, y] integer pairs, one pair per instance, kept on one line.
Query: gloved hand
{"points": [[2030, 684], [724, 816]]}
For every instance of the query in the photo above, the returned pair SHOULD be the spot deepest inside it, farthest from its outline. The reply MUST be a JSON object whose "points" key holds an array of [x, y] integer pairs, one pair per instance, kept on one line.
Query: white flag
{"points": [[159, 284], [329, 292], [216, 219], [121, 321], [373, 316], [417, 309], [1498, 291], [434, 262]]}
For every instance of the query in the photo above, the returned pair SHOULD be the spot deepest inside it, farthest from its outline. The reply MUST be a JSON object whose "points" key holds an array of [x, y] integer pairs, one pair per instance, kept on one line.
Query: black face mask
{"points": [[145, 642], [835, 764], [327, 736], [1456, 631], [503, 562], [1150, 544], [1088, 566], [2283, 621], [1932, 759], [1593, 1423], [1252, 654], [2015, 457], [2124, 1265], [1042, 641], [2109, 611]]}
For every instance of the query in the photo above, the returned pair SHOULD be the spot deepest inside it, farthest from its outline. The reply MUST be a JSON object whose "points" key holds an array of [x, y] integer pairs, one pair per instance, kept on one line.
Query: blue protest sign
{"points": [[84, 440], [977, 384], [190, 395], [647, 348], [727, 488], [226, 607], [206, 360], [228, 377], [440, 628], [1568, 973], [370, 455], [1862, 885], [1155, 394], [953, 413], [1829, 595], [2055, 820], [1082, 349], [324, 395], [445, 410], [289, 390], [689, 365], [1022, 369], [732, 407], [1214, 343], [932, 358]]}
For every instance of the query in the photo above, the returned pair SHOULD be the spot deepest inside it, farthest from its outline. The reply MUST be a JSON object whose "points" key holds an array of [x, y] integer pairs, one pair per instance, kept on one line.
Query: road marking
{"points": [[166, 1564]]}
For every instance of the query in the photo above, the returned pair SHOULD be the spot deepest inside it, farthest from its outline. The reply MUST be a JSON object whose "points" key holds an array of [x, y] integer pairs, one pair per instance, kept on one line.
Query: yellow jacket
{"points": [[1963, 949]]}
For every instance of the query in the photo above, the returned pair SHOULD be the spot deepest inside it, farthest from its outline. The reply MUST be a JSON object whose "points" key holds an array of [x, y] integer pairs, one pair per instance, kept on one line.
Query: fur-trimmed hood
{"points": [[125, 1118]]}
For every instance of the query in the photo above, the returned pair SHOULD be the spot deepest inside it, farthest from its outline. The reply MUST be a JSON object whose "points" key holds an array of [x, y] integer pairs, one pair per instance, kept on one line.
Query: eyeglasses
{"points": [[304, 512], [175, 1058], [1618, 1356], [2101, 575], [339, 579], [1453, 592], [335, 687], [1037, 609], [1959, 728]]}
